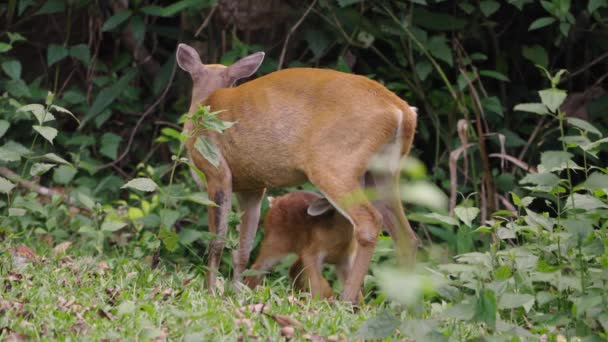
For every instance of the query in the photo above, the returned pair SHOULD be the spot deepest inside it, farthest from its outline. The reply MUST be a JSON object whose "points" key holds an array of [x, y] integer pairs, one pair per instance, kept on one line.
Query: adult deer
{"points": [[293, 126]]}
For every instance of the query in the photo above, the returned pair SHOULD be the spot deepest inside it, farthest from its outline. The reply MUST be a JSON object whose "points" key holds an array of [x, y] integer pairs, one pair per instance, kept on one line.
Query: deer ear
{"points": [[319, 207], [188, 59], [245, 66]]}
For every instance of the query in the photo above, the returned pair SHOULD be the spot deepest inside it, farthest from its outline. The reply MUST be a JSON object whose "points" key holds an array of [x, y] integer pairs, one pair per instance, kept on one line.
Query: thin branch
{"points": [[37, 188], [585, 67], [206, 21], [515, 161], [291, 31], [148, 111]]}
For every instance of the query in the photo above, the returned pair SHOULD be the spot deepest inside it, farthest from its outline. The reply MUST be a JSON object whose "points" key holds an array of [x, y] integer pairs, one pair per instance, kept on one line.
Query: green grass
{"points": [[74, 295]]}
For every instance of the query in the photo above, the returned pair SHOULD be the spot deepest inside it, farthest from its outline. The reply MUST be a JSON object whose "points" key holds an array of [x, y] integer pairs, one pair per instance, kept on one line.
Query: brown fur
{"points": [[292, 126], [316, 240]]}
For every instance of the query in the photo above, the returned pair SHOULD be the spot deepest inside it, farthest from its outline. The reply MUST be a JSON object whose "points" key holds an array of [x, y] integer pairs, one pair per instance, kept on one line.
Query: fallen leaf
{"points": [[104, 314], [15, 337], [22, 255], [187, 281], [253, 308], [287, 332], [102, 266], [285, 321], [80, 328], [315, 338], [61, 248], [337, 338]]}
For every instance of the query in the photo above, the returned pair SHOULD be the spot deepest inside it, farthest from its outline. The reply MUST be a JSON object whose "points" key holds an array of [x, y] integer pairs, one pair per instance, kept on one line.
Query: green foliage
{"points": [[516, 251]]}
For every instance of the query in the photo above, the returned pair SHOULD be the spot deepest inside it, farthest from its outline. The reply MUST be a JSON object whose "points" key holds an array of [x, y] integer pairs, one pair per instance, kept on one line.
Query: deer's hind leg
{"points": [[347, 196]]}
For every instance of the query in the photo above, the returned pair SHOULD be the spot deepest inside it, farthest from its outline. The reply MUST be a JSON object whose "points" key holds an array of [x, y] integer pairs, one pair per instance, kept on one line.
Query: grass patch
{"points": [[46, 296]]}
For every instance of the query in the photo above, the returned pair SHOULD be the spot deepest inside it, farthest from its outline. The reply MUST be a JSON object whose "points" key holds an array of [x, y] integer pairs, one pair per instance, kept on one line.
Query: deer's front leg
{"points": [[220, 191], [251, 204]]}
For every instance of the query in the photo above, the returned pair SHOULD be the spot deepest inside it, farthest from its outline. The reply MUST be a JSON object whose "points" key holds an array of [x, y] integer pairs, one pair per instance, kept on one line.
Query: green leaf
{"points": [[552, 98], [536, 54], [49, 133], [138, 28], [579, 227], [38, 111], [112, 226], [16, 212], [492, 104], [81, 52], [586, 202], [438, 21], [466, 215], [381, 326], [425, 194], [516, 300], [537, 108], [345, 3], [208, 150], [188, 236], [176, 7], [63, 110], [169, 238], [107, 96], [85, 200], [4, 125], [15, 36], [141, 184], [423, 69], [542, 179], [201, 198], [168, 217], [503, 272], [12, 69], [55, 53], [495, 75], [595, 4], [213, 123], [438, 47], [6, 186], [489, 7], [596, 181], [64, 174], [116, 20], [485, 308], [52, 6], [541, 22], [39, 169], [126, 308], [17, 88], [583, 125], [55, 158], [109, 145], [5, 47], [9, 155], [551, 161], [433, 218]]}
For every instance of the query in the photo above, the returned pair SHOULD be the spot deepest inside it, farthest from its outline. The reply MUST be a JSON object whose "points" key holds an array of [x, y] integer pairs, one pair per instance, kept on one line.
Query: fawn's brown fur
{"points": [[316, 240]]}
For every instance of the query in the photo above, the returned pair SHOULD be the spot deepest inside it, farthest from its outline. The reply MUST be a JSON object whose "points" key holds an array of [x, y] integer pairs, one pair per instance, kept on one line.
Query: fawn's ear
{"points": [[188, 59], [319, 207], [245, 66]]}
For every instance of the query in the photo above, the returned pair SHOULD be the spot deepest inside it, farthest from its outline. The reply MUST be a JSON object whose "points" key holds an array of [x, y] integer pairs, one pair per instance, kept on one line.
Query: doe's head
{"points": [[208, 78]]}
